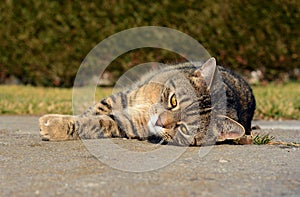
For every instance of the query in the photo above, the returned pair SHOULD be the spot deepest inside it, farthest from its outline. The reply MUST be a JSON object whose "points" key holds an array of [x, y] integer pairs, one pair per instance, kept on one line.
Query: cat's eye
{"points": [[173, 101], [183, 129]]}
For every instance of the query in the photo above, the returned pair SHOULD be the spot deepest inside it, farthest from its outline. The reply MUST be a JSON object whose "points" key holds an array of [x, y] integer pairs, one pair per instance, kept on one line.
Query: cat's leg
{"points": [[95, 127], [64, 127], [116, 124]]}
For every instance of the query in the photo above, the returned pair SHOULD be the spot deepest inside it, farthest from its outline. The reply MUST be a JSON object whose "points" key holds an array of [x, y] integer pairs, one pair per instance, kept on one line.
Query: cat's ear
{"points": [[208, 71], [230, 129]]}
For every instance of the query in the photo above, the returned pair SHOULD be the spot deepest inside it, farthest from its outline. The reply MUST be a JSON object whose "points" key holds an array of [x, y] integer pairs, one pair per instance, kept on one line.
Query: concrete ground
{"points": [[31, 167]]}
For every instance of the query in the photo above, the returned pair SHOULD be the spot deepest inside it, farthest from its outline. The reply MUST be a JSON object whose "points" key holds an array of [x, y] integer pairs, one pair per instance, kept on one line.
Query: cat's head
{"points": [[184, 109]]}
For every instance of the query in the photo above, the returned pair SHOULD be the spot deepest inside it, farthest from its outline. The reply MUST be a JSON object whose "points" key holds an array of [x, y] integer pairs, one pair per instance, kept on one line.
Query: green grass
{"points": [[278, 101], [28, 100], [262, 139], [273, 101]]}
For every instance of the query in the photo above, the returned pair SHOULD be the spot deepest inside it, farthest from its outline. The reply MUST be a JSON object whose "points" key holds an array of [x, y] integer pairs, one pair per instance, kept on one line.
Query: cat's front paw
{"points": [[56, 127]]}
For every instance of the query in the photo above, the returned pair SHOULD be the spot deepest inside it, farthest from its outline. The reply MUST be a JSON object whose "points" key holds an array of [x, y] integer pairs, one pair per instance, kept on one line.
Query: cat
{"points": [[185, 104]]}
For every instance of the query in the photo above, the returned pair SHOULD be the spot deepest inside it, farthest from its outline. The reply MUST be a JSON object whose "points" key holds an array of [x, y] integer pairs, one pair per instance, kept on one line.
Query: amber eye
{"points": [[183, 129], [173, 101]]}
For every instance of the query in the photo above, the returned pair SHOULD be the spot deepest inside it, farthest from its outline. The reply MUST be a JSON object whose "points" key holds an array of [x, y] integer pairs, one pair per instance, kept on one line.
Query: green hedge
{"points": [[44, 42]]}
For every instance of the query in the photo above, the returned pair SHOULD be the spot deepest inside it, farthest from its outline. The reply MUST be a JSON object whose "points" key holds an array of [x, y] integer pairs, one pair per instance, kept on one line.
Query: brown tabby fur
{"points": [[185, 104]]}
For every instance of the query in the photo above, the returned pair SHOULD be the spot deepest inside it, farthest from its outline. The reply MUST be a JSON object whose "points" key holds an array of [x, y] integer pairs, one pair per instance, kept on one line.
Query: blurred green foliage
{"points": [[44, 42]]}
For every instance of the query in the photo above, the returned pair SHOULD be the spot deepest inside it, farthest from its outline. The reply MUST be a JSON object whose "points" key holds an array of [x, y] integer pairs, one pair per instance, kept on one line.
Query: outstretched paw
{"points": [[55, 127]]}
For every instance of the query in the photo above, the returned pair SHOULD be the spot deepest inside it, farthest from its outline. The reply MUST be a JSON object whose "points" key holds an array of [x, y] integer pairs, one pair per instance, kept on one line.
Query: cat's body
{"points": [[186, 104]]}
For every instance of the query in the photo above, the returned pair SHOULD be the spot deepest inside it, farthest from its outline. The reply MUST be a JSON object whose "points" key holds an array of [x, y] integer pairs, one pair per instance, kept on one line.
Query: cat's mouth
{"points": [[157, 128]]}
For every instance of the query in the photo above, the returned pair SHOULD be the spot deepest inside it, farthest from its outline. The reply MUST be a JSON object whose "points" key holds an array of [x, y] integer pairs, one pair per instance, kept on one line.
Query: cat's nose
{"points": [[159, 122], [166, 120]]}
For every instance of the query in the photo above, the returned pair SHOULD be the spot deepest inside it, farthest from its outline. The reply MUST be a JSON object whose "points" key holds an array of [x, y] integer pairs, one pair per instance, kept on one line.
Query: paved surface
{"points": [[31, 167]]}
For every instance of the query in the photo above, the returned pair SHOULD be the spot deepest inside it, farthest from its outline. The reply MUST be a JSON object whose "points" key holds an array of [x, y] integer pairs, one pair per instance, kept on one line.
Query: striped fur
{"points": [[181, 104]]}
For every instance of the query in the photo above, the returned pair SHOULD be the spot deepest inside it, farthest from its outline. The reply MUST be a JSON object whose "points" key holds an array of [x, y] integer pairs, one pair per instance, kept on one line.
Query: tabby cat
{"points": [[184, 104]]}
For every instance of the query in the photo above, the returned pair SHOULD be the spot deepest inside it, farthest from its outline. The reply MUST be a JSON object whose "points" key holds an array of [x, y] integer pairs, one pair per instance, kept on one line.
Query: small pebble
{"points": [[223, 160]]}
